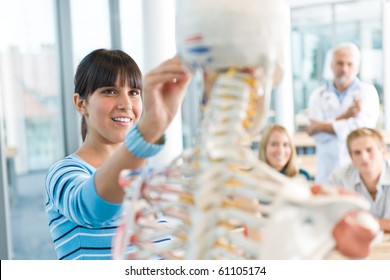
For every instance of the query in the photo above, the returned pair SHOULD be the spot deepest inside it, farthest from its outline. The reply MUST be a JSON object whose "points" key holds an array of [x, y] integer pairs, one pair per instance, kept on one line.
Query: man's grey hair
{"points": [[348, 47]]}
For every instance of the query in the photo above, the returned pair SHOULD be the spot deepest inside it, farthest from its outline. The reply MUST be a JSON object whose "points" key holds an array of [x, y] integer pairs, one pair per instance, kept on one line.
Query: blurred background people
{"points": [[337, 108]]}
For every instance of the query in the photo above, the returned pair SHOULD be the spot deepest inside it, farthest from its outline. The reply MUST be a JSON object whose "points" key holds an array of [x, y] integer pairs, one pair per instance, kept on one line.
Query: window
{"points": [[29, 90], [90, 27]]}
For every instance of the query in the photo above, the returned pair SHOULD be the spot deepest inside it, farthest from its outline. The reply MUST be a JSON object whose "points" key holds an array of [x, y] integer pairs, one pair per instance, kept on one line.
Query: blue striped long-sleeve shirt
{"points": [[81, 223]]}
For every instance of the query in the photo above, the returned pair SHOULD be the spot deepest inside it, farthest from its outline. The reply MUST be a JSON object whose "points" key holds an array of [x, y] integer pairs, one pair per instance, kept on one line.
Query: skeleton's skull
{"points": [[246, 35]]}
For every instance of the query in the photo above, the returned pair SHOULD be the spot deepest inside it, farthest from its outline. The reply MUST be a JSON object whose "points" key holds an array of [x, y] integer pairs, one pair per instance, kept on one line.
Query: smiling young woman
{"points": [[120, 130], [278, 151]]}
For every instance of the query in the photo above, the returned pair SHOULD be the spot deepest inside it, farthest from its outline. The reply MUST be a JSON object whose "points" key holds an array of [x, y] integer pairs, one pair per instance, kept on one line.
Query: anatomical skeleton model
{"points": [[217, 200]]}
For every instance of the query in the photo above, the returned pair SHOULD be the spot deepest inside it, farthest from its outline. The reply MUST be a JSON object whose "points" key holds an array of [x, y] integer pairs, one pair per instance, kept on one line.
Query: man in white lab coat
{"points": [[337, 108]]}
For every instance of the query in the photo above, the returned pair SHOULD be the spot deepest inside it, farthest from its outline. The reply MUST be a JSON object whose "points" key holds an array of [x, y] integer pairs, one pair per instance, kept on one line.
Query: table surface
{"points": [[10, 152]]}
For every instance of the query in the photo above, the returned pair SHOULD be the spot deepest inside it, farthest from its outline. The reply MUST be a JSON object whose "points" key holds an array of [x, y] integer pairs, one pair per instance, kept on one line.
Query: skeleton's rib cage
{"points": [[220, 202]]}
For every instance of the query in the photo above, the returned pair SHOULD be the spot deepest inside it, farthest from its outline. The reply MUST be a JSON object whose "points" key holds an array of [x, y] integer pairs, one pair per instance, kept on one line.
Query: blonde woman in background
{"points": [[278, 151]]}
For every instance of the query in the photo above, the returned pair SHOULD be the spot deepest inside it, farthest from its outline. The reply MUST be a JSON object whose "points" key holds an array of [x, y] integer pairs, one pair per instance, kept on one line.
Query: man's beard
{"points": [[344, 80]]}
